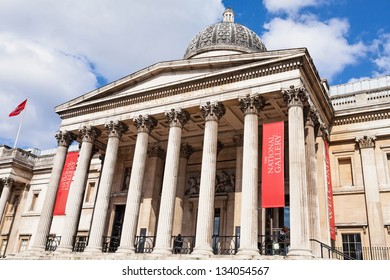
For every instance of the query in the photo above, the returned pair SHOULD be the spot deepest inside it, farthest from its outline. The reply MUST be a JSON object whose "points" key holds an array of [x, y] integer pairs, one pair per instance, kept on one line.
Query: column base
{"points": [[248, 252], [125, 250], [37, 249], [65, 249], [299, 254], [162, 251], [93, 249], [202, 251]]}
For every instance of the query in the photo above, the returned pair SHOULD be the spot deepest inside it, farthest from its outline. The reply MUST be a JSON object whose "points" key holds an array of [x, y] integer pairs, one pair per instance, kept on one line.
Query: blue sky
{"points": [[54, 51]]}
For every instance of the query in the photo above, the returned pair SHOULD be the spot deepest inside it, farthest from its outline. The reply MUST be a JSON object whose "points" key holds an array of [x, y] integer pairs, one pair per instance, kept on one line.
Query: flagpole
{"points": [[20, 124]]}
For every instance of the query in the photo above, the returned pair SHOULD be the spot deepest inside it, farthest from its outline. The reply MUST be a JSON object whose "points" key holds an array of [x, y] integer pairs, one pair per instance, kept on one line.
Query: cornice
{"points": [[367, 117], [221, 78]]}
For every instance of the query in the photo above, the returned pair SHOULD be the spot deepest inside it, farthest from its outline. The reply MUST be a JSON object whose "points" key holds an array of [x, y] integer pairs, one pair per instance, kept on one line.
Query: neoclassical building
{"points": [[183, 148]]}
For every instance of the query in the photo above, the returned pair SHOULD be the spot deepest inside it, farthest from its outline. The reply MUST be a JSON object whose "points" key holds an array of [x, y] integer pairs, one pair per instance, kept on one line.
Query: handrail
{"points": [[333, 250]]}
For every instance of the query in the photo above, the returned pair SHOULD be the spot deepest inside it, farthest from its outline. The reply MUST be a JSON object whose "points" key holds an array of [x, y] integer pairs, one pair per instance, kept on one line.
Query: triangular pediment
{"points": [[165, 75]]}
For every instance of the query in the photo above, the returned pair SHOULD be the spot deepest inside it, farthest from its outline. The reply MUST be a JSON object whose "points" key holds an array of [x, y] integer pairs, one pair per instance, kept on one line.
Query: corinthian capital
{"points": [[177, 117], [295, 96], [366, 142], [65, 138], [311, 115], [7, 181], [251, 104], [186, 151], [145, 123], [213, 111], [116, 129], [89, 133]]}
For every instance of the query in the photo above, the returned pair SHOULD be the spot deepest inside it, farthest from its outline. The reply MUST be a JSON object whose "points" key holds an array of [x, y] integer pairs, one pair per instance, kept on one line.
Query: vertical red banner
{"points": [[66, 180], [332, 226], [272, 189]]}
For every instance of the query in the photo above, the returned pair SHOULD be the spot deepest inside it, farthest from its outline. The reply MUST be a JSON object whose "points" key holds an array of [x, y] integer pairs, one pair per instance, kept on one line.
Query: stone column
{"points": [[250, 106], [371, 191], [177, 120], [115, 131], [144, 125], [238, 140], [88, 135], [212, 113], [185, 152], [7, 184], [311, 172], [295, 99], [64, 139]]}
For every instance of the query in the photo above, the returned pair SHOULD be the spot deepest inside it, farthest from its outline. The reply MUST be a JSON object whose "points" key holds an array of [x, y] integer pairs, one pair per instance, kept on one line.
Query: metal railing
{"points": [[80, 243], [368, 253], [183, 244], [144, 244], [332, 253], [110, 244], [52, 242], [225, 245], [273, 244]]}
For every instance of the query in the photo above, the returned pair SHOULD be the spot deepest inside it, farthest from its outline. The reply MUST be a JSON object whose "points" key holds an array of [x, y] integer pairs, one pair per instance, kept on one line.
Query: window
{"points": [[3, 247], [352, 245], [388, 162], [89, 196], [23, 243], [33, 201], [345, 172]]}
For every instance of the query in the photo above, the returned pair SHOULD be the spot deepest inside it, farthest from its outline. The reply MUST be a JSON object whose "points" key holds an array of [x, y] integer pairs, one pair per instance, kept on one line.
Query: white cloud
{"points": [[382, 55], [53, 51], [326, 41], [289, 6]]}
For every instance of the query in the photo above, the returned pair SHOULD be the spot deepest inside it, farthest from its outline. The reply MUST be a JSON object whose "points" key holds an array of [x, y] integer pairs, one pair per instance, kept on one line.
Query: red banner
{"points": [[66, 180], [272, 189], [329, 194]]}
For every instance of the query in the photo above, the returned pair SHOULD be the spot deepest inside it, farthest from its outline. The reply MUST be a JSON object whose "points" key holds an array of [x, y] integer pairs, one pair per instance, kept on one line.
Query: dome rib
{"points": [[225, 35]]}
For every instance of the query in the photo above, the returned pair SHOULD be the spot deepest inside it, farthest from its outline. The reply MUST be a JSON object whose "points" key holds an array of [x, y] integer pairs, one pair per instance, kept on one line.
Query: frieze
{"points": [[225, 182], [363, 118], [153, 95]]}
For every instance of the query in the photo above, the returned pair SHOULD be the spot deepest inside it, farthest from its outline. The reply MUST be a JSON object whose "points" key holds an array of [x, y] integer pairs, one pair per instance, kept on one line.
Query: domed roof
{"points": [[225, 36]]}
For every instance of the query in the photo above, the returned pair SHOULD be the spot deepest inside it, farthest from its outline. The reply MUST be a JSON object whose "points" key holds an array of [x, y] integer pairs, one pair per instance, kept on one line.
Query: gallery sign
{"points": [[65, 182], [272, 188]]}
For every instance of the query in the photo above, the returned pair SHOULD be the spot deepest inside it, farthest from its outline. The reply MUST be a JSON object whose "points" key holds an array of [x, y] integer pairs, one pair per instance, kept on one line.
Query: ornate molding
{"points": [[312, 117], [363, 118], [213, 111], [251, 104], [145, 123], [65, 138], [186, 151], [177, 118], [366, 142], [156, 151], [89, 133], [116, 129], [7, 181], [217, 81], [295, 96]]}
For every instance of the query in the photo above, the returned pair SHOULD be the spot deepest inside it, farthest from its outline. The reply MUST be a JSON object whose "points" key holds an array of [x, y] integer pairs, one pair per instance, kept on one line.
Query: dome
{"points": [[225, 36]]}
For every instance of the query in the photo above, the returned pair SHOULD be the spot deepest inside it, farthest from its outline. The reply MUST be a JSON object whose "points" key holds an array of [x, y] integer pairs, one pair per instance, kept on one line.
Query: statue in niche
{"points": [[224, 182]]}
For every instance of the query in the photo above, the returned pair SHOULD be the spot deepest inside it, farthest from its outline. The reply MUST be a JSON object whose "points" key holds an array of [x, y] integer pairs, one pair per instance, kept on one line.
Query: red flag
{"points": [[18, 109], [273, 165]]}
